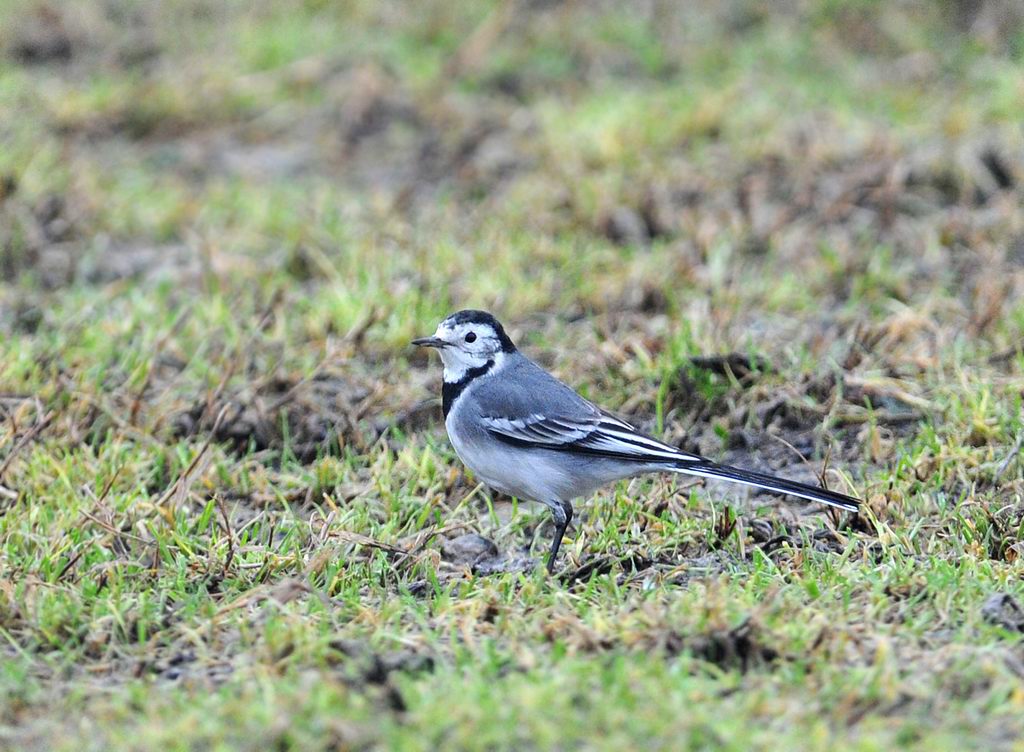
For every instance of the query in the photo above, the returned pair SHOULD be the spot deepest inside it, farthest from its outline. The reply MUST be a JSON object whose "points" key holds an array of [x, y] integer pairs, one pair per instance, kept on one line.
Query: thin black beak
{"points": [[430, 342]]}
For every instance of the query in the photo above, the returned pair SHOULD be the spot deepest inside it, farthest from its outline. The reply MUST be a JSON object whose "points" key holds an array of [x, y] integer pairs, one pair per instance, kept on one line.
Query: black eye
{"points": [[471, 337]]}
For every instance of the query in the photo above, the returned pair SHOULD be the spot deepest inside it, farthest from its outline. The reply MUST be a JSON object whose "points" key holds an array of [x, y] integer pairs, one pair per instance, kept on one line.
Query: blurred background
{"points": [[708, 175], [405, 158]]}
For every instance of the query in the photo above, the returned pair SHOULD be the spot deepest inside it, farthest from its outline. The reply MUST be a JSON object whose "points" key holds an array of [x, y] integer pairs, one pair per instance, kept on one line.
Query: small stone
{"points": [[624, 226], [468, 549], [1003, 610]]}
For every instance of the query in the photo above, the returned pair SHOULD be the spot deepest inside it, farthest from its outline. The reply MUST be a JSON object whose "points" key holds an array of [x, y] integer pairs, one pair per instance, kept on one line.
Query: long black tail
{"points": [[709, 469]]}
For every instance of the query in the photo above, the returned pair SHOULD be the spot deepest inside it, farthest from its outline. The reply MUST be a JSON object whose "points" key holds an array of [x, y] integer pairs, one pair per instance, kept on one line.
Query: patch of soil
{"points": [[468, 549], [375, 667], [361, 667], [1004, 543], [80, 36], [71, 264], [795, 205], [482, 556], [742, 647], [308, 419], [739, 366], [394, 144], [721, 401], [41, 35], [48, 238], [630, 564], [29, 228], [821, 540], [1003, 610]]}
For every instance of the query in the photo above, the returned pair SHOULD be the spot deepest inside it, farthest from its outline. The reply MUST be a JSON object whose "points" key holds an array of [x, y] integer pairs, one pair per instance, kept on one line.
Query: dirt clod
{"points": [[624, 226], [468, 549], [41, 37], [483, 557], [1003, 610], [738, 648], [737, 364]]}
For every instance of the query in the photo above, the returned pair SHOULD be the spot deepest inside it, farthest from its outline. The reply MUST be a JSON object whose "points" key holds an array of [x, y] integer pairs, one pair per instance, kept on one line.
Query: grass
{"points": [[229, 516]]}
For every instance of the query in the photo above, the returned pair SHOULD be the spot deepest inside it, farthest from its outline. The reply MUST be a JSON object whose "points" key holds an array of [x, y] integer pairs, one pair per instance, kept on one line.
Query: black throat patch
{"points": [[451, 390]]}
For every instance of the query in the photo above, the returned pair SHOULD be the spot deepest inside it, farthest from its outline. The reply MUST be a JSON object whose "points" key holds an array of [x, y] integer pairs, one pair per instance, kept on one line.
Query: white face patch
{"points": [[469, 346]]}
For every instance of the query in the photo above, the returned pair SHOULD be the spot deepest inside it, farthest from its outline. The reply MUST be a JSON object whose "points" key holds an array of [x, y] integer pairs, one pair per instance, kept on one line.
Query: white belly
{"points": [[490, 462]]}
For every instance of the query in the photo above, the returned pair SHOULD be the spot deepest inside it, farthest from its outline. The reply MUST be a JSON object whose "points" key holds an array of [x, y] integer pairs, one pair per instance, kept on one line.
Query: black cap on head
{"points": [[472, 316]]}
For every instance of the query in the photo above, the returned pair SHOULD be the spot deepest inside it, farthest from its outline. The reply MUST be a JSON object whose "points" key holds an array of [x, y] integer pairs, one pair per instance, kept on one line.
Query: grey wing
{"points": [[602, 435], [529, 407]]}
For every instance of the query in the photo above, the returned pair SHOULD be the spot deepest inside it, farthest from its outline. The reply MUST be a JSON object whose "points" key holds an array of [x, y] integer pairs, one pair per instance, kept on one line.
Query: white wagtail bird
{"points": [[525, 433]]}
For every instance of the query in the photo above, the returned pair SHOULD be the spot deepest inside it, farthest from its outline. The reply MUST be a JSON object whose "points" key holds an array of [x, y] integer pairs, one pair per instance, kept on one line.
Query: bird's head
{"points": [[466, 340]]}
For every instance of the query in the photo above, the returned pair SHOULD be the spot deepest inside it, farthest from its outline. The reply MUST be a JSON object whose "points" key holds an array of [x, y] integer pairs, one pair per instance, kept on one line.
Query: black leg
{"points": [[563, 516]]}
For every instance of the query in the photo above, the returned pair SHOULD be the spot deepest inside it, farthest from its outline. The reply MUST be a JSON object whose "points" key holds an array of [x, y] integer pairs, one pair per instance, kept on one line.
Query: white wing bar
{"points": [[602, 434]]}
